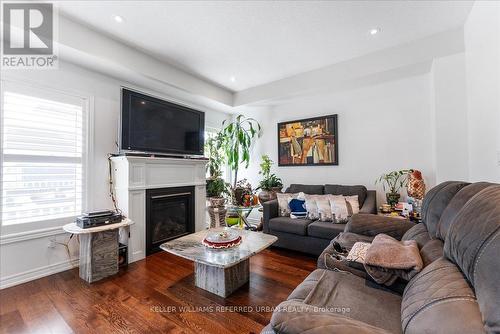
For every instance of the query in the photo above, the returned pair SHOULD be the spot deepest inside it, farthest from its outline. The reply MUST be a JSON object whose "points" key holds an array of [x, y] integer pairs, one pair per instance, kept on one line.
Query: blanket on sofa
{"points": [[387, 259]]}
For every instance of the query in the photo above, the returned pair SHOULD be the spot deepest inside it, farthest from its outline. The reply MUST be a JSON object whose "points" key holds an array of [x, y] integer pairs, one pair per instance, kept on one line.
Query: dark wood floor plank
{"points": [[155, 295]]}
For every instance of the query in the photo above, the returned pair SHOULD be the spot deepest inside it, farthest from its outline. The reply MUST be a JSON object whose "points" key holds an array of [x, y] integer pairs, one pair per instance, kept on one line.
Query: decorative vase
{"points": [[217, 211], [416, 185], [269, 195], [392, 198], [217, 216], [217, 201]]}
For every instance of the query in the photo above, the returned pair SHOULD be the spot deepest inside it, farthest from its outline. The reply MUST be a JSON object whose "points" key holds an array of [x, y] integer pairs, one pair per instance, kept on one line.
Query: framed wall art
{"points": [[308, 142]]}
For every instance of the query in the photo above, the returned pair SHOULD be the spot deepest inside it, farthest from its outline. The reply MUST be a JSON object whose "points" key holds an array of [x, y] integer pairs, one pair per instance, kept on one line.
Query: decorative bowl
{"points": [[225, 238]]}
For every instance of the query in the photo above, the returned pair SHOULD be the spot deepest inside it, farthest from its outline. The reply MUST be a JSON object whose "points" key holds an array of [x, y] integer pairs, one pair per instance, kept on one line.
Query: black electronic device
{"points": [[88, 221]]}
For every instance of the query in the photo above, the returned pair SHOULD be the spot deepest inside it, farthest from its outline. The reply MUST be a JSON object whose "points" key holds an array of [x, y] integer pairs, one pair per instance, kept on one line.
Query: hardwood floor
{"points": [[152, 296]]}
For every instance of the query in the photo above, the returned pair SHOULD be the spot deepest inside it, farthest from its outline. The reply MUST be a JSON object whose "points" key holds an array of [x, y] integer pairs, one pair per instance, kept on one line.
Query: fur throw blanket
{"points": [[387, 259]]}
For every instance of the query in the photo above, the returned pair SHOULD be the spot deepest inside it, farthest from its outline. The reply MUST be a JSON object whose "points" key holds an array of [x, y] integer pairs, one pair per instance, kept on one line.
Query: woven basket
{"points": [[217, 216]]}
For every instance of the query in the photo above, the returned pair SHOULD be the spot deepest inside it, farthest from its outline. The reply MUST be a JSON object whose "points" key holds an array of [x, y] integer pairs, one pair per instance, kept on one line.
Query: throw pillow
{"points": [[297, 208], [358, 252], [339, 208], [312, 207], [324, 209], [283, 200], [352, 204]]}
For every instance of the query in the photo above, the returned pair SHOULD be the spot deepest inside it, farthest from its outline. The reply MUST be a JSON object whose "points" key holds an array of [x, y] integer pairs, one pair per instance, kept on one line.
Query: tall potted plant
{"points": [[216, 187], [394, 181], [270, 183], [235, 140]]}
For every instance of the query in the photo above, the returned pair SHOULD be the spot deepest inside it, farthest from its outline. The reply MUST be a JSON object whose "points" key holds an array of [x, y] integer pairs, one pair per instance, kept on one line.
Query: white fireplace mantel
{"points": [[132, 175]]}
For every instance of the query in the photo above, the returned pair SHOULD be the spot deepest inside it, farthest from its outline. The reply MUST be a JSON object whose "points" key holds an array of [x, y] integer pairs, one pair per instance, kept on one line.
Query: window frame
{"points": [[87, 156]]}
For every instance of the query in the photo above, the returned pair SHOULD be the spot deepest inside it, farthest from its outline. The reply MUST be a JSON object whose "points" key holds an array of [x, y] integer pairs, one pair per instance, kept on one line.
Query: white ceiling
{"points": [[258, 42]]}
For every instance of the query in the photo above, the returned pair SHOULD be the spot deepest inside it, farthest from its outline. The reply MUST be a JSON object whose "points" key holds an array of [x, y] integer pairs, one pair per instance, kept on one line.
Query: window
{"points": [[212, 133], [43, 137]]}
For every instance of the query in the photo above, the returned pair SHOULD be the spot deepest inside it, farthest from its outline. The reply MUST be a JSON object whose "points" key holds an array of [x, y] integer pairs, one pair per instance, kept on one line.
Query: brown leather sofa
{"points": [[458, 290], [306, 235]]}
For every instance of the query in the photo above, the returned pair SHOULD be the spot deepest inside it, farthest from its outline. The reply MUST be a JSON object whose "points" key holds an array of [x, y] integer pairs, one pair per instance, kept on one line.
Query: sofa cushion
{"points": [[297, 318], [435, 202], [439, 300], [473, 243], [348, 239], [431, 251], [348, 296], [310, 189], [324, 230], [337, 189], [458, 201], [289, 225], [418, 233]]}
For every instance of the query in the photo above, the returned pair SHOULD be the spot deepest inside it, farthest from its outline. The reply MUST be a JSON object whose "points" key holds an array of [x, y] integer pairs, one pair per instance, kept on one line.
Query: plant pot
{"points": [[217, 201], [392, 198], [269, 195], [217, 216]]}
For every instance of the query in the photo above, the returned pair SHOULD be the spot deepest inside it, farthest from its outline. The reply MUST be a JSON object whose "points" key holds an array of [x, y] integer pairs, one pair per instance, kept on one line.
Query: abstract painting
{"points": [[308, 142]]}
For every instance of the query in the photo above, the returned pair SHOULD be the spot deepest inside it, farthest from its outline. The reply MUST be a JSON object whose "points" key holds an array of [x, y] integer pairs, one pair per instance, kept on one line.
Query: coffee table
{"points": [[220, 271]]}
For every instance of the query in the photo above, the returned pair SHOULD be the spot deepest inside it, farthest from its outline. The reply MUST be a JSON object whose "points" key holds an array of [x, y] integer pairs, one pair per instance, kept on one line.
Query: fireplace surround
{"points": [[136, 176]]}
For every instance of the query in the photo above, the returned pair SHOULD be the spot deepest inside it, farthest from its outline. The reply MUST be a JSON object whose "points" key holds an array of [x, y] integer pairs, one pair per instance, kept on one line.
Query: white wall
{"points": [[482, 61], [24, 256], [449, 101], [381, 128]]}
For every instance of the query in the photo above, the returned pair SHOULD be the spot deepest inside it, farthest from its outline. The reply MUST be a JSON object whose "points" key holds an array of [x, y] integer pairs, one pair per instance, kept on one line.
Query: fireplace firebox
{"points": [[169, 215]]}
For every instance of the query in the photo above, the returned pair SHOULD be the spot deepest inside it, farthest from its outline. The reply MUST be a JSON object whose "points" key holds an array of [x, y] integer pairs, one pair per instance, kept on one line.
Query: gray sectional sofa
{"points": [[457, 291], [309, 236]]}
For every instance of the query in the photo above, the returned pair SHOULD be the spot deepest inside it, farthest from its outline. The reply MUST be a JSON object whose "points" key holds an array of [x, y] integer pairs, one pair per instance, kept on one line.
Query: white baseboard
{"points": [[36, 273]]}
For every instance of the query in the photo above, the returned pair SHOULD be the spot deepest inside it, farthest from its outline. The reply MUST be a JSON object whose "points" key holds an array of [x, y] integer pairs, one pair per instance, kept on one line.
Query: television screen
{"points": [[152, 125]]}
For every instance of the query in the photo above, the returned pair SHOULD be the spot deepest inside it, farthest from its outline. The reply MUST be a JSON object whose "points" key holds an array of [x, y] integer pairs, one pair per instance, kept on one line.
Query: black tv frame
{"points": [[124, 144]]}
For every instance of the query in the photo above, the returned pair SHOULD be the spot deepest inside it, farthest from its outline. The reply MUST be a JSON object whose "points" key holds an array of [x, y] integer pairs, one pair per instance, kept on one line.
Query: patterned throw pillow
{"points": [[358, 252], [352, 204], [312, 207], [338, 206], [324, 209], [283, 200]]}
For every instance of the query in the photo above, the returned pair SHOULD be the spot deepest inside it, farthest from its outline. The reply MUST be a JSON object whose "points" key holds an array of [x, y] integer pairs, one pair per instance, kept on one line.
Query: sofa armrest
{"points": [[370, 204], [293, 317], [270, 210], [372, 225]]}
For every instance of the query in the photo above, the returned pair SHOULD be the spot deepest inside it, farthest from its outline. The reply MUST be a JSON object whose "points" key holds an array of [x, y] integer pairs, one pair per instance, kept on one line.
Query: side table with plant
{"points": [[270, 183], [393, 182]]}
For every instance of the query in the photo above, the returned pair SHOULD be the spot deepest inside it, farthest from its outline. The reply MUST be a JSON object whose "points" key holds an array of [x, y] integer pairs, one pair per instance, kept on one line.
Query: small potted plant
{"points": [[270, 184], [393, 182]]}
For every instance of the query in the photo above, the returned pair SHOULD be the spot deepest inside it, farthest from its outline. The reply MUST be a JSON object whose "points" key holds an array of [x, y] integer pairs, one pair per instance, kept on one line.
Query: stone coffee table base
{"points": [[222, 281], [220, 271]]}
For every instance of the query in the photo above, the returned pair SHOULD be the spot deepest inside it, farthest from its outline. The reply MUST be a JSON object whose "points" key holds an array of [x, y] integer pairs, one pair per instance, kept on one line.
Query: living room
{"points": [[235, 166]]}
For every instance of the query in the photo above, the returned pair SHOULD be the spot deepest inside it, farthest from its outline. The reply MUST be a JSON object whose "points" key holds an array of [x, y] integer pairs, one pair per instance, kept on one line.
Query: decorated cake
{"points": [[225, 238]]}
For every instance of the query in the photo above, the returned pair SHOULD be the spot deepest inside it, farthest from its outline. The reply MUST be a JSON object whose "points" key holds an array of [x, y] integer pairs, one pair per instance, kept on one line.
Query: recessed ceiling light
{"points": [[232, 78], [118, 18], [143, 102], [374, 31]]}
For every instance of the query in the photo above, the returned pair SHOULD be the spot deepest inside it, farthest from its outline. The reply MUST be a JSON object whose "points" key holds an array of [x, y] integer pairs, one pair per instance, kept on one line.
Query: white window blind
{"points": [[43, 155]]}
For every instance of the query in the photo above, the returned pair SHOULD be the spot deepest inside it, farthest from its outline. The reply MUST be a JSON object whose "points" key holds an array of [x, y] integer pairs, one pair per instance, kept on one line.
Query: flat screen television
{"points": [[152, 125]]}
